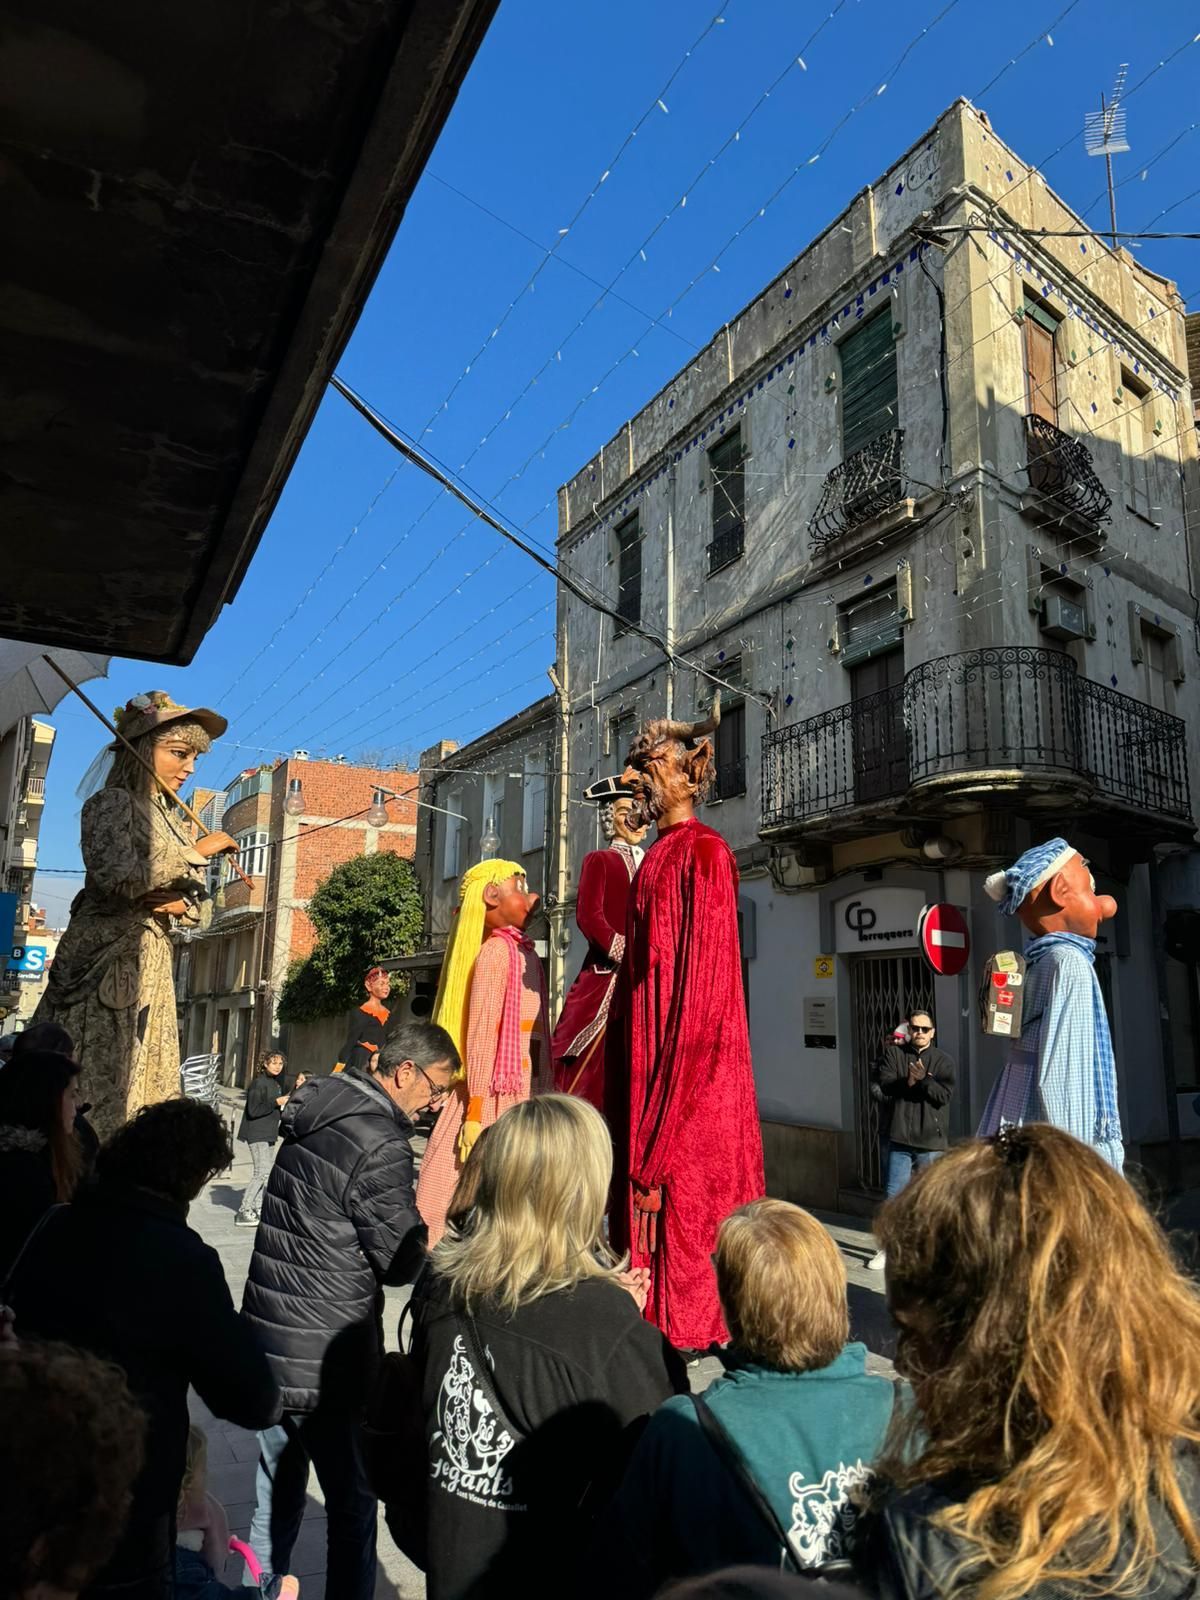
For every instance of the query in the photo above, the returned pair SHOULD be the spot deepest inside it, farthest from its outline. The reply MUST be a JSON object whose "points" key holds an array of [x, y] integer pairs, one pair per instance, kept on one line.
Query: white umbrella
{"points": [[29, 687]]}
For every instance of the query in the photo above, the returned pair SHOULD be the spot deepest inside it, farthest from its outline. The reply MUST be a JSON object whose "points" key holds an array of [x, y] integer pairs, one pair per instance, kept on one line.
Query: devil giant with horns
{"points": [[686, 1127]]}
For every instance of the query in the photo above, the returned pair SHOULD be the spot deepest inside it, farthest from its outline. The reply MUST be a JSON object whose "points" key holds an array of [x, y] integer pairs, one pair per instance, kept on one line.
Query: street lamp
{"points": [[294, 804], [489, 839], [377, 812]]}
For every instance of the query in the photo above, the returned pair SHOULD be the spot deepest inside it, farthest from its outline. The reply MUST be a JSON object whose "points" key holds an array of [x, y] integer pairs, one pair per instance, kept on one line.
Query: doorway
{"points": [[880, 747], [882, 989]]}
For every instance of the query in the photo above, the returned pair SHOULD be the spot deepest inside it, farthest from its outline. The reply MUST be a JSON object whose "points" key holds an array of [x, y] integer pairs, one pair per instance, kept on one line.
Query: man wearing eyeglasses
{"points": [[914, 1081], [339, 1221]]}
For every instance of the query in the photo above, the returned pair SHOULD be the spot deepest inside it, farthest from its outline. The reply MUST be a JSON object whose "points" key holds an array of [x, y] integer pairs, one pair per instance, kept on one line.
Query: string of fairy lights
{"points": [[978, 597], [733, 138]]}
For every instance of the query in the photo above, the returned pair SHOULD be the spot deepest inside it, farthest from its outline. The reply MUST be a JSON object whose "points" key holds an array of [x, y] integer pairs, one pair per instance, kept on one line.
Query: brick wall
{"points": [[332, 794]]}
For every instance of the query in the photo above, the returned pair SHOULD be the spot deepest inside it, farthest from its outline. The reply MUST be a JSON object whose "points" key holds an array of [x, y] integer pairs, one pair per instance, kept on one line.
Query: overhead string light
{"points": [[507, 412], [548, 254]]}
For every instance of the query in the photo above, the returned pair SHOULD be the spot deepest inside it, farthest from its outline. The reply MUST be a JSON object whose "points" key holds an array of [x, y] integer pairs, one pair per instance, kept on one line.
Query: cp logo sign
{"points": [[860, 918]]}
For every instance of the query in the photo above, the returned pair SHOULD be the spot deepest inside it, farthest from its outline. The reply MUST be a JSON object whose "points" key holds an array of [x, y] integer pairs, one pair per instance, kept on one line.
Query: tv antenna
{"points": [[1104, 135]]}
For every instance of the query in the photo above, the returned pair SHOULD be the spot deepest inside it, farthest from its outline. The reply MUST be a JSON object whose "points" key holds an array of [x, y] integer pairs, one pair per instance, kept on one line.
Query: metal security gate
{"points": [[882, 989]]}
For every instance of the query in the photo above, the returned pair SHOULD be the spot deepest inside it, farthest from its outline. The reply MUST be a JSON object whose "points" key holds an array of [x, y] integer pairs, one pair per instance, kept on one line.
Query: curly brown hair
{"points": [[70, 1449], [172, 1148], [1054, 1352]]}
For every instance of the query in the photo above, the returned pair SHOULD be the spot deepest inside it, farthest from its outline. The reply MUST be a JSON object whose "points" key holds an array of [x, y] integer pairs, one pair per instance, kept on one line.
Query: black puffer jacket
{"points": [[339, 1220]]}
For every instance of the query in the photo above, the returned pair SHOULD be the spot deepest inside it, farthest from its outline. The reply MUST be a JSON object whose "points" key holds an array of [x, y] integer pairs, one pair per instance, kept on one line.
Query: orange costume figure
{"points": [[368, 1026], [491, 1000]]}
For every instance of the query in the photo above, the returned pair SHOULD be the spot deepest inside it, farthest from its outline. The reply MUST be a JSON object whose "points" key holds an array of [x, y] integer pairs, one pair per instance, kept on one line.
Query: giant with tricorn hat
{"points": [[112, 985], [578, 1044]]}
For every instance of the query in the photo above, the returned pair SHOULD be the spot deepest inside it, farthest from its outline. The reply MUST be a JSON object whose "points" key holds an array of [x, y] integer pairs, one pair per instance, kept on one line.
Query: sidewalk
{"points": [[233, 1452]]}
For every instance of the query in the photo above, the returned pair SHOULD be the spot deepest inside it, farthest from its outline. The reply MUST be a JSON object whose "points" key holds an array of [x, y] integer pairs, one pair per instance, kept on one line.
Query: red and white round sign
{"points": [[945, 942]]}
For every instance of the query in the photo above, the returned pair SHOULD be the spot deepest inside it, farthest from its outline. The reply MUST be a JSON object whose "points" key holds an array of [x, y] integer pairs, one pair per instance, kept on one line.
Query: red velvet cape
{"points": [[690, 1126]]}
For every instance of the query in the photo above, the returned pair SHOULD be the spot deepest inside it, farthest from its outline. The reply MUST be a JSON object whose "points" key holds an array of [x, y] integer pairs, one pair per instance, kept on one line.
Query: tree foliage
{"points": [[367, 909]]}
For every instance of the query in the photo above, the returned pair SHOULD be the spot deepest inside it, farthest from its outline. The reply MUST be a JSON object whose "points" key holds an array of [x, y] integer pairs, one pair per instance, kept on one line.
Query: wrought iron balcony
{"points": [[1060, 469], [864, 486], [975, 726], [726, 547]]}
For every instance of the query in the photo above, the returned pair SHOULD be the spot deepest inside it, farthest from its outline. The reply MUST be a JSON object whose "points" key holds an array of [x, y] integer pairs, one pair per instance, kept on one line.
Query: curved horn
{"points": [[711, 722]]}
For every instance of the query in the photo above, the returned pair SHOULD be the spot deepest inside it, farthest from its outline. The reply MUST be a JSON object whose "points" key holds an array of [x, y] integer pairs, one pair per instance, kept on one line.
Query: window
{"points": [[869, 626], [251, 783], [252, 852], [628, 538], [453, 848], [726, 465], [621, 730], [729, 742], [212, 813], [1137, 456], [493, 804], [1041, 361], [868, 361], [533, 804]]}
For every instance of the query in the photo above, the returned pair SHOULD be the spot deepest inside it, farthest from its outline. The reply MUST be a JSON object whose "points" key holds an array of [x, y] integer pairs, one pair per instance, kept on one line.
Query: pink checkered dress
{"points": [[489, 985]]}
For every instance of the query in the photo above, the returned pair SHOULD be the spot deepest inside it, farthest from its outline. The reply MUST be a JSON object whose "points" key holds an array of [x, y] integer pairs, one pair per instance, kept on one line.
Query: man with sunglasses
{"points": [[915, 1081], [339, 1221]]}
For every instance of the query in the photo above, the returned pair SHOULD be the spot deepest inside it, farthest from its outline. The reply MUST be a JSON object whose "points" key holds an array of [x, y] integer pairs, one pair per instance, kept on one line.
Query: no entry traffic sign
{"points": [[945, 942]]}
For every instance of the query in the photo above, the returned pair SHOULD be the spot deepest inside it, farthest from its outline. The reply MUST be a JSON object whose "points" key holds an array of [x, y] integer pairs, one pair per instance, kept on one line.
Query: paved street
{"points": [[233, 1453]]}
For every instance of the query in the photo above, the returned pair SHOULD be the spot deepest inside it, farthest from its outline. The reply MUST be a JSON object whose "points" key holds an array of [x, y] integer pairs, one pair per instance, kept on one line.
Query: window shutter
{"points": [[1041, 381], [868, 360]]}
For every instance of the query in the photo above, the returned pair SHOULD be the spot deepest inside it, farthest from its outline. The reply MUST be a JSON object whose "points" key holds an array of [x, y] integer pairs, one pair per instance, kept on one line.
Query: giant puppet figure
{"points": [[1061, 1070], [491, 1000], [600, 907], [112, 985], [689, 1140]]}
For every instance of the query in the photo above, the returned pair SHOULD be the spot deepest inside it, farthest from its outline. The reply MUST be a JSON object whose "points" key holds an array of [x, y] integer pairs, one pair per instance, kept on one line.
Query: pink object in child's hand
{"points": [[253, 1565]]}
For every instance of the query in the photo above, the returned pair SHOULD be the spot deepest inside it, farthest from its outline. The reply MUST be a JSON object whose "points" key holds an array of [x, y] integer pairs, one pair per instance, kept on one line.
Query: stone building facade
{"points": [[923, 507]]}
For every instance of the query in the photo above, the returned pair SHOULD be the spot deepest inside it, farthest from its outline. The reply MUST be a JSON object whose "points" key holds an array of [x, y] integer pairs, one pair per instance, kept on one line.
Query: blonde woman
{"points": [[111, 986], [1054, 1353], [536, 1360], [796, 1410]]}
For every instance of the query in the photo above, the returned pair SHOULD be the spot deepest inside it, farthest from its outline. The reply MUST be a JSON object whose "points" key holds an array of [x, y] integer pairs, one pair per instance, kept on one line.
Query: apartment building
{"points": [[923, 508]]}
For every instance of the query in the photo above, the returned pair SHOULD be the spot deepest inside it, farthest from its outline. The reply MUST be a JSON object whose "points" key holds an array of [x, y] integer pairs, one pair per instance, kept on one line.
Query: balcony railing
{"points": [[868, 483], [35, 789], [726, 547], [996, 710], [1060, 469]]}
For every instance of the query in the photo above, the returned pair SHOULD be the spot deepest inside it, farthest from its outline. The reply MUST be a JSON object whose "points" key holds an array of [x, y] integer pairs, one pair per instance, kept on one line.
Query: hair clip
{"points": [[1012, 1144]]}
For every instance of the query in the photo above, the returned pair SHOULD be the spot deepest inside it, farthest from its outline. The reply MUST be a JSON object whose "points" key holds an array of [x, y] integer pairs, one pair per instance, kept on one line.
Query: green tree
{"points": [[367, 909]]}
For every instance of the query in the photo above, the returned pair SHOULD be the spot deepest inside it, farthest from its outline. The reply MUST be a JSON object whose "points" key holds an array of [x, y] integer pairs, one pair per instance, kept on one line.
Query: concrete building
{"points": [[230, 971], [25, 752], [506, 780], [923, 506]]}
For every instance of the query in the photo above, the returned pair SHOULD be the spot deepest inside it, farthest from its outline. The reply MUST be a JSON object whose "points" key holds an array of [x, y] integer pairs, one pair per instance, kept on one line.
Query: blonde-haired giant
{"points": [[453, 1000]]}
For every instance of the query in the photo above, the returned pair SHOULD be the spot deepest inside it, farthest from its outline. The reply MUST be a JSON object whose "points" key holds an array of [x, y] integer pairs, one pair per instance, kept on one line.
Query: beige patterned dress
{"points": [[111, 985]]}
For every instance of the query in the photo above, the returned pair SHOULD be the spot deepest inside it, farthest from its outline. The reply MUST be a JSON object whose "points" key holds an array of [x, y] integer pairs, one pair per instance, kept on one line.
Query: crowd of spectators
{"points": [[534, 1434]]}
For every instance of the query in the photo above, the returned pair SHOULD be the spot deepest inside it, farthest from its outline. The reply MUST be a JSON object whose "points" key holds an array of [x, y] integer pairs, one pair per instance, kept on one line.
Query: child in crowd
{"points": [[265, 1099], [202, 1540]]}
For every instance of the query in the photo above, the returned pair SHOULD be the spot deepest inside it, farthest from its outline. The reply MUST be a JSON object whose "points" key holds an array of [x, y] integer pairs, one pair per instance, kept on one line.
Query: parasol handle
{"points": [[139, 757]]}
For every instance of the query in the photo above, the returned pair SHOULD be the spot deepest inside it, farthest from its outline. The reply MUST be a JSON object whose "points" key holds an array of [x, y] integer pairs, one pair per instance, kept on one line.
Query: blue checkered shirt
{"points": [[1062, 1069]]}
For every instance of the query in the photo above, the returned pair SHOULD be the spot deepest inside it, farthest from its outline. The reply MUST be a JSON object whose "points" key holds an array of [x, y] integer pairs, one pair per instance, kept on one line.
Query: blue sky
{"points": [[376, 616]]}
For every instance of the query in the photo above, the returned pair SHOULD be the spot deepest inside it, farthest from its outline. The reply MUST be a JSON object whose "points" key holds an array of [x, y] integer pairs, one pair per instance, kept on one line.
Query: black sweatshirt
{"points": [[260, 1120], [576, 1372]]}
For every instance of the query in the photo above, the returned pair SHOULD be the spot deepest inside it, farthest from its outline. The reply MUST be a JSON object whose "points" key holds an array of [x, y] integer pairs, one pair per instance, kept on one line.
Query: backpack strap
{"points": [[728, 1452], [483, 1374], [11, 1274]]}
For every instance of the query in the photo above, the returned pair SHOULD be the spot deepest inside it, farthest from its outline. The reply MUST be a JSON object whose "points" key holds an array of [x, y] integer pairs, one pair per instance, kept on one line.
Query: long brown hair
{"points": [[31, 1095], [1054, 1352]]}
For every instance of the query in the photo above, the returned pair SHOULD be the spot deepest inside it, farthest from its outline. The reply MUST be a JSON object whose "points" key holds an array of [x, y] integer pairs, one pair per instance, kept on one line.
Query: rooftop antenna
{"points": [[1104, 135]]}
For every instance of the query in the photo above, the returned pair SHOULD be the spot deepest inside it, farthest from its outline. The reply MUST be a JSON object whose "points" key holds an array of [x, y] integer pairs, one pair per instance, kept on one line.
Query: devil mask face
{"points": [[670, 765]]}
